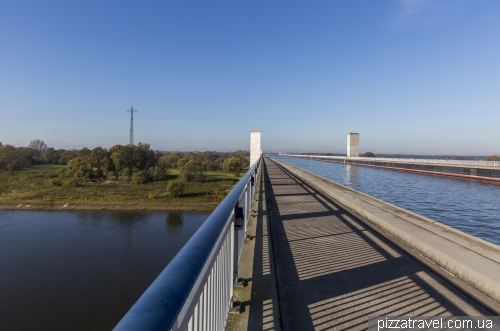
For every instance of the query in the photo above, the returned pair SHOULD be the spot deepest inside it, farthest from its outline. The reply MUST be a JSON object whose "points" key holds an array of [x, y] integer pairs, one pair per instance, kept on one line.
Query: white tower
{"points": [[255, 150], [352, 144]]}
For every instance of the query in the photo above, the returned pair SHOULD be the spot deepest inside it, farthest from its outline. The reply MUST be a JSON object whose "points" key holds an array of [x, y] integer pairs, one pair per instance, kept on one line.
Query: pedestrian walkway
{"points": [[333, 271]]}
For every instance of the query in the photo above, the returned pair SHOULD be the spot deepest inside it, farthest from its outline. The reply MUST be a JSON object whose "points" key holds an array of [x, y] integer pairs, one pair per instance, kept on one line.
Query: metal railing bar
{"points": [[434, 161], [190, 301], [160, 306]]}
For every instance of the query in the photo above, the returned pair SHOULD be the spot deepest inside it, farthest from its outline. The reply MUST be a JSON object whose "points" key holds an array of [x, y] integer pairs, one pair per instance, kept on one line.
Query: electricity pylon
{"points": [[131, 139]]}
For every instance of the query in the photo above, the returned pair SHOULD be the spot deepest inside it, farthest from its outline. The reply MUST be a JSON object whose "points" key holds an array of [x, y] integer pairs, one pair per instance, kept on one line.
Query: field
{"points": [[25, 189]]}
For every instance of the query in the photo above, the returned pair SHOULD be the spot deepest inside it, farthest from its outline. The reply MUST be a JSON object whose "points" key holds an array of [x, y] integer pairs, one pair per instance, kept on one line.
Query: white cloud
{"points": [[410, 13]]}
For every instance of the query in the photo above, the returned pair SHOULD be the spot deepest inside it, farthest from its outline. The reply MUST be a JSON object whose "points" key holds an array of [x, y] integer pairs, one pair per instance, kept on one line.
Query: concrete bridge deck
{"points": [[333, 271]]}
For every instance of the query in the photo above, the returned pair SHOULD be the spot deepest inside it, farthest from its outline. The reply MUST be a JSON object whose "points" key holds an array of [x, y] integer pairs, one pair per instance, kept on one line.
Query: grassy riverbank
{"points": [[25, 189]]}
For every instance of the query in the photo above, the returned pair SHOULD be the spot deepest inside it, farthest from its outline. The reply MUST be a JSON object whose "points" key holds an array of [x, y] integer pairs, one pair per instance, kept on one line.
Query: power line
{"points": [[131, 138]]}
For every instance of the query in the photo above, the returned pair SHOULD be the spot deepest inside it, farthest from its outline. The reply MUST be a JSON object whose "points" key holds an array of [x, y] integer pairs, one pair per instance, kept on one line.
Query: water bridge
{"points": [[289, 250]]}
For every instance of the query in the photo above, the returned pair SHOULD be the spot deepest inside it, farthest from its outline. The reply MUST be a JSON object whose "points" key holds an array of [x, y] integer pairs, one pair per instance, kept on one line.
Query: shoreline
{"points": [[132, 206]]}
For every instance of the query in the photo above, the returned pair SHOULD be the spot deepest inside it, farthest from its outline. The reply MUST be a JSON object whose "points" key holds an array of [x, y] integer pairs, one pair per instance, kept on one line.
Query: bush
{"points": [[81, 175], [175, 188], [493, 157], [51, 174], [70, 182], [52, 182], [368, 154], [111, 175], [139, 177]]}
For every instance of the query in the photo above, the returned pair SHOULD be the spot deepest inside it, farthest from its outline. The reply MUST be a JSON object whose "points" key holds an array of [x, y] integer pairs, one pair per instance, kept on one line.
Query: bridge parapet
{"points": [[467, 163], [195, 290]]}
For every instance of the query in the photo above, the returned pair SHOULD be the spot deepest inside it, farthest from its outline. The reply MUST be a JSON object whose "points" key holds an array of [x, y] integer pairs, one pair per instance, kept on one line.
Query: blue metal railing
{"points": [[195, 290]]}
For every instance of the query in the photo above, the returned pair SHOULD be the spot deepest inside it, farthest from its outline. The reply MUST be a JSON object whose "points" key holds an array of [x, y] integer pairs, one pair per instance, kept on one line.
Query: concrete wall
{"points": [[471, 172], [352, 144], [255, 147]]}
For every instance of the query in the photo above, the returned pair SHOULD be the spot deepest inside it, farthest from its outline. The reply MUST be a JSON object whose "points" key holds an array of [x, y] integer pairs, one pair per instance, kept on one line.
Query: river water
{"points": [[83, 270], [469, 205]]}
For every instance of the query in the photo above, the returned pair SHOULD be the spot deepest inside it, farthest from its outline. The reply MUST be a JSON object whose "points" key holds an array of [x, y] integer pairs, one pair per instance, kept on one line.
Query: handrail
{"points": [[170, 301], [480, 163]]}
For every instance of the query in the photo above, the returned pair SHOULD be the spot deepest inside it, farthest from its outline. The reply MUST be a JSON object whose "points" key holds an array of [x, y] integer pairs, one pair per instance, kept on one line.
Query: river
{"points": [[83, 270]]}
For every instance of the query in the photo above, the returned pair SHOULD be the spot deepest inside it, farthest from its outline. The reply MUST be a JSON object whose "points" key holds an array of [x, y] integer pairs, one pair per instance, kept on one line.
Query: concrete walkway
{"points": [[333, 271], [258, 296]]}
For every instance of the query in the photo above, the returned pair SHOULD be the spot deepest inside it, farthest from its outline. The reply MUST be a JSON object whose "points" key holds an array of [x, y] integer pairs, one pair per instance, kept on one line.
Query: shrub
{"points": [[51, 174], [175, 188], [82, 175], [139, 177], [52, 182], [493, 157], [111, 175], [72, 182]]}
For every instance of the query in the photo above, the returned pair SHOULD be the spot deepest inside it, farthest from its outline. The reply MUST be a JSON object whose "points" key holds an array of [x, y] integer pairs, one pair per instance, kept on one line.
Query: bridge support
{"points": [[353, 145], [255, 147]]}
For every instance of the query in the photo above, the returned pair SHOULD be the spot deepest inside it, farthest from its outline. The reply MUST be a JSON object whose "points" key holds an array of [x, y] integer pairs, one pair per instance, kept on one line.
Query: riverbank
{"points": [[96, 205], [25, 190]]}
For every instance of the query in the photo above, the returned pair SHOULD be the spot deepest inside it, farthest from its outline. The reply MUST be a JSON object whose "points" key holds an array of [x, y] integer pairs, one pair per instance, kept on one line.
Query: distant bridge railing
{"points": [[479, 163], [195, 290]]}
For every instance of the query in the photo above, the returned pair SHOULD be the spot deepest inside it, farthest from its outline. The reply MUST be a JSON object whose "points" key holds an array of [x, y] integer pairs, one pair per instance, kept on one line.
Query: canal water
{"points": [[471, 206], [83, 270]]}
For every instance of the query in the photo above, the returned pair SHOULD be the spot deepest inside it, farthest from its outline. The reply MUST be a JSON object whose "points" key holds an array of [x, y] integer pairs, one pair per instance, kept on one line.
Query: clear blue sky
{"points": [[410, 76]]}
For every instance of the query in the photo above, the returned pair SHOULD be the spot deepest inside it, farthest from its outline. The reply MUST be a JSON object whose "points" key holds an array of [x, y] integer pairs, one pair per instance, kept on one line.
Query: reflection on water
{"points": [[174, 219], [83, 270], [468, 205], [351, 175], [128, 218]]}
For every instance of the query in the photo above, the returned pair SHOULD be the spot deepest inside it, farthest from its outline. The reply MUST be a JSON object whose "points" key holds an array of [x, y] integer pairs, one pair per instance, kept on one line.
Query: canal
{"points": [[83, 270], [469, 205]]}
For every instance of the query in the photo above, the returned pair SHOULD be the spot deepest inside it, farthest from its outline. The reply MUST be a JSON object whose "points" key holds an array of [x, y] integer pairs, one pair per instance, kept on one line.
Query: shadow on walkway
{"points": [[333, 271]]}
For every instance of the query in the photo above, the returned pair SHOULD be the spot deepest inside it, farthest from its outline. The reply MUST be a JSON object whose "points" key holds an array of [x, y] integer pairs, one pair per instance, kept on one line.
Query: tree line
{"points": [[131, 163], [37, 152]]}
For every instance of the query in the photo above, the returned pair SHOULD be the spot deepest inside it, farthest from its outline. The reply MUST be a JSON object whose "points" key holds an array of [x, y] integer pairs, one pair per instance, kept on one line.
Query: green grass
{"points": [[27, 187], [46, 167]]}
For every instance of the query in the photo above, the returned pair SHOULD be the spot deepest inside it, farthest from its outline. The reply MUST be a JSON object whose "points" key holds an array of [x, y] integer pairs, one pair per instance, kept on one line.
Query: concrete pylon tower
{"points": [[352, 144], [255, 149]]}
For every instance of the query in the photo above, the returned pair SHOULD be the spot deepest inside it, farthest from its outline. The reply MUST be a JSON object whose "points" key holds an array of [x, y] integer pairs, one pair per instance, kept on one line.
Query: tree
{"points": [[12, 158], [99, 159], [122, 159], [233, 165], [493, 157], [192, 171], [169, 160], [368, 154], [50, 156], [144, 157], [38, 147]]}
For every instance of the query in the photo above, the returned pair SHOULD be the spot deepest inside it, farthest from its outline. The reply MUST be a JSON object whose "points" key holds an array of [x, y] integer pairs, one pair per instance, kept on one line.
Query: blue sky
{"points": [[411, 76]]}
